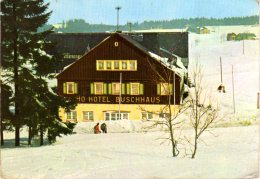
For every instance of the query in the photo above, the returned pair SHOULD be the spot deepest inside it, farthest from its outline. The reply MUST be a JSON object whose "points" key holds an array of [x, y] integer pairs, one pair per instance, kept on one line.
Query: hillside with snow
{"points": [[129, 152], [207, 50]]}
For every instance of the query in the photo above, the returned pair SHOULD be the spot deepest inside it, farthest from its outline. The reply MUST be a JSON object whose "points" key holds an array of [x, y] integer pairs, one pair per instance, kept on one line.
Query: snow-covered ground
{"points": [[233, 153], [207, 50]]}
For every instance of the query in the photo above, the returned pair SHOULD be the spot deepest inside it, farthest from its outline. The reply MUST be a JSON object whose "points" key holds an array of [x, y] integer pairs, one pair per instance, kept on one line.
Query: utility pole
{"points": [[130, 25], [258, 94], [221, 70], [234, 105], [120, 95], [118, 8]]}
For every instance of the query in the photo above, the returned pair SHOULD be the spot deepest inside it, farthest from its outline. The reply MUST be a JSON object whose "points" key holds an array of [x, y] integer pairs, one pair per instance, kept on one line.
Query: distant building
{"points": [[241, 36], [231, 36], [246, 36], [204, 30], [94, 80]]}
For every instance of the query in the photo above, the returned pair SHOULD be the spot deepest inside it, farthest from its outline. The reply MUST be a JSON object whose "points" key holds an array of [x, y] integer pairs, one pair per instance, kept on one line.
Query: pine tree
{"points": [[20, 21], [28, 65], [6, 115]]}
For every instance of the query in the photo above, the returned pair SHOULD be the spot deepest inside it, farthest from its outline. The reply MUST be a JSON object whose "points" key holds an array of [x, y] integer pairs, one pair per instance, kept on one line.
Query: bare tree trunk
{"points": [[16, 93], [2, 134], [195, 147], [173, 143], [30, 135], [41, 136]]}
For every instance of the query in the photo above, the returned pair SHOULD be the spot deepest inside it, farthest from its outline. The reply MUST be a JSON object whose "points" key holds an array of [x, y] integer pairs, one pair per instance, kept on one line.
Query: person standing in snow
{"points": [[96, 129], [104, 127]]}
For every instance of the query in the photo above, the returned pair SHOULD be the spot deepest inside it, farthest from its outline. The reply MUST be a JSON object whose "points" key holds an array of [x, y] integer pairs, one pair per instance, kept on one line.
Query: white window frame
{"points": [[124, 115], [146, 114], [71, 116], [88, 115]]}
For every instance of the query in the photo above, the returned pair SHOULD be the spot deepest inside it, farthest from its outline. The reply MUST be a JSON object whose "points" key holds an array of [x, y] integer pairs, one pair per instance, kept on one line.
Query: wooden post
{"points": [[243, 47], [234, 105], [258, 100]]}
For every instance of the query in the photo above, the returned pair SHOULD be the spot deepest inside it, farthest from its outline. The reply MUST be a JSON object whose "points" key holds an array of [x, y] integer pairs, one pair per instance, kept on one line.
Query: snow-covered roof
{"points": [[160, 30], [179, 69]]}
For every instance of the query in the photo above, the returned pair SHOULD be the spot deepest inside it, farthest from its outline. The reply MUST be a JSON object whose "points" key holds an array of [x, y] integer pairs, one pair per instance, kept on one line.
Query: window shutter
{"points": [[128, 88], [91, 88], [65, 88], [104, 88], [171, 89], [141, 86], [76, 88], [109, 88], [158, 89], [123, 88]]}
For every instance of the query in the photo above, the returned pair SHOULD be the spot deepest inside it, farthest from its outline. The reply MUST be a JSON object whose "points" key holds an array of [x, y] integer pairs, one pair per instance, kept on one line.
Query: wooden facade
{"points": [[150, 72], [71, 46]]}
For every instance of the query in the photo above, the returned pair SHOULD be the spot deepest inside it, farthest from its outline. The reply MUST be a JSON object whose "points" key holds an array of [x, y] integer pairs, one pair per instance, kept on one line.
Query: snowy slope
{"points": [[207, 50]]}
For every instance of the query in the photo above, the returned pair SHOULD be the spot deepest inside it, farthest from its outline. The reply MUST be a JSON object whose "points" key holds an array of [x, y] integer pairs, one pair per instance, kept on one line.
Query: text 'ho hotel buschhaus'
{"points": [[119, 78]]}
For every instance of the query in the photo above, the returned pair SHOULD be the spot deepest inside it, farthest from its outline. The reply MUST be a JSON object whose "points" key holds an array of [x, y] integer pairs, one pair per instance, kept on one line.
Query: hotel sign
{"points": [[115, 99]]}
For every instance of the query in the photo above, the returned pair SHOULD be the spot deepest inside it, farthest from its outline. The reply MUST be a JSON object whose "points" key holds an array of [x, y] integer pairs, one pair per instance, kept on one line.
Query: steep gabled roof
{"points": [[134, 43]]}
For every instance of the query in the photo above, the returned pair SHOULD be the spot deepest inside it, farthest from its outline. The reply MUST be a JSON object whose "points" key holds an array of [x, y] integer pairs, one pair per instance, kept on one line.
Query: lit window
{"points": [[115, 88], [109, 65], [70, 88], [87, 115], [147, 115], [124, 65], [98, 88], [72, 116], [135, 88], [132, 65], [116, 65]]}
